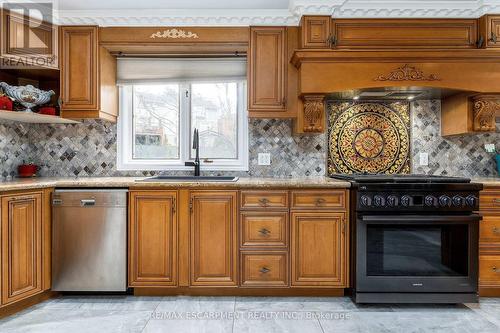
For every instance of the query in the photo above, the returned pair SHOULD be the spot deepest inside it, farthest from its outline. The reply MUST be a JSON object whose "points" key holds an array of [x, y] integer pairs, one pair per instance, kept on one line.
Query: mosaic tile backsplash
{"points": [[89, 148]]}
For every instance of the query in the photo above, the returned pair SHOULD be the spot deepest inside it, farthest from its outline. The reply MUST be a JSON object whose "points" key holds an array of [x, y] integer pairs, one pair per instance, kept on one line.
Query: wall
{"points": [[89, 149]]}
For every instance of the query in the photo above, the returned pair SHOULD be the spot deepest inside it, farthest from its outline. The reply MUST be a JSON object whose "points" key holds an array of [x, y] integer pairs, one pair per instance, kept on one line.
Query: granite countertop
{"points": [[488, 181], [244, 182]]}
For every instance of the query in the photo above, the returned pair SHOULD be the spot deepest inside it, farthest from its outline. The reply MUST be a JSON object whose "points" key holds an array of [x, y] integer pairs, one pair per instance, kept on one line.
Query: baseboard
{"points": [[10, 309], [314, 292], [489, 292]]}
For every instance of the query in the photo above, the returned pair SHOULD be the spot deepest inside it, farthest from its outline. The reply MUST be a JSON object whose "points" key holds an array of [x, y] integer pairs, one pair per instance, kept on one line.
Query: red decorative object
{"points": [[6, 103], [49, 110], [27, 170]]}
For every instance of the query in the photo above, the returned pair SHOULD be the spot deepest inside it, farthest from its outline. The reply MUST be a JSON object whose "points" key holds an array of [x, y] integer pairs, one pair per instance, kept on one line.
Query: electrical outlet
{"points": [[424, 159], [264, 159], [489, 147]]}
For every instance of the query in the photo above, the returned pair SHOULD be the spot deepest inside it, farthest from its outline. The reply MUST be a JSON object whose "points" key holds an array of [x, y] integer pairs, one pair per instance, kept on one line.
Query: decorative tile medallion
{"points": [[369, 137]]}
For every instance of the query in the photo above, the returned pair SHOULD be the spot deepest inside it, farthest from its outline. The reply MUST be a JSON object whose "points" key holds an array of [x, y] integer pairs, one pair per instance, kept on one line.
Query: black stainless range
{"points": [[414, 238]]}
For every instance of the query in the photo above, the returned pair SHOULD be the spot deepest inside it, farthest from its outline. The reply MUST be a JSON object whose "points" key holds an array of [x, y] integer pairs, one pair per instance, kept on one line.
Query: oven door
{"points": [[417, 253]]}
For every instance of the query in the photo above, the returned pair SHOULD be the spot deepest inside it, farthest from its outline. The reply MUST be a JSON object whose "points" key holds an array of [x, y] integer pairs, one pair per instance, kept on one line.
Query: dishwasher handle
{"points": [[87, 202]]}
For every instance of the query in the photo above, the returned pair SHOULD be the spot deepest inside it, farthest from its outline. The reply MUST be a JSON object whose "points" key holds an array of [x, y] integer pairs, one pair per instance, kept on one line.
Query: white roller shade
{"points": [[153, 70]]}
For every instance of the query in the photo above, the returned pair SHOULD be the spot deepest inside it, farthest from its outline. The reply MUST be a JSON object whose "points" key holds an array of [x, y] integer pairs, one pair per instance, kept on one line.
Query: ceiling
{"points": [[256, 12]]}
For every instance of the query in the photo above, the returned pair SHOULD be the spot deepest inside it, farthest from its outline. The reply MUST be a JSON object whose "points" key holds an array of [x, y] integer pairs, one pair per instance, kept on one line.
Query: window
{"points": [[157, 120]]}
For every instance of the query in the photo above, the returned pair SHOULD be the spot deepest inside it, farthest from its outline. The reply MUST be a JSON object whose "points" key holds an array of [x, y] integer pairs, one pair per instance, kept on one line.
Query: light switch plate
{"points": [[424, 159], [264, 159], [489, 147]]}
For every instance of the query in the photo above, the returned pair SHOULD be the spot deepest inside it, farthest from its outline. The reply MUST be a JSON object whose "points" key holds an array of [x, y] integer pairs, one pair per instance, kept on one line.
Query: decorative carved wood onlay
{"points": [[174, 34], [407, 73], [484, 109], [314, 112]]}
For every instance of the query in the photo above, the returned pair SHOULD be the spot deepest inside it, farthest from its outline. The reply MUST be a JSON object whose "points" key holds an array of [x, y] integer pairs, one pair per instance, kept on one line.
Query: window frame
{"points": [[125, 137]]}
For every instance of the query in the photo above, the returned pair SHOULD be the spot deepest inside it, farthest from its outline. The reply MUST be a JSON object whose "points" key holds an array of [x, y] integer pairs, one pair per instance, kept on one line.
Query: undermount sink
{"points": [[189, 179]]}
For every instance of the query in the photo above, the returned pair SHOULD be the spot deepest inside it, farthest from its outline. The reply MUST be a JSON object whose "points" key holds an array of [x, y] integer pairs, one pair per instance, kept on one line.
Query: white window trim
{"points": [[125, 138]]}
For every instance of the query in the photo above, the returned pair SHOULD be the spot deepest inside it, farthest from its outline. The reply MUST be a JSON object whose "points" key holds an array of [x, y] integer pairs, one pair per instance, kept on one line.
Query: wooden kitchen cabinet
{"points": [[315, 32], [318, 249], [489, 242], [213, 255], [489, 31], [88, 75], [26, 39], [22, 248], [153, 238], [267, 66]]}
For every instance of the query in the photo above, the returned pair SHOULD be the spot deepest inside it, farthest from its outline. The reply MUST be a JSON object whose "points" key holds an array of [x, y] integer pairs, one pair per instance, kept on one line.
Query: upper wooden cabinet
{"points": [[315, 32], [213, 254], [267, 84], [28, 40], [153, 239], [88, 75], [404, 33], [489, 31], [21, 250]]}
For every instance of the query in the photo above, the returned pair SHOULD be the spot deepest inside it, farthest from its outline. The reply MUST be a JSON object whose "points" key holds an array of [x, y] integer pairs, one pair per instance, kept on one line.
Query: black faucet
{"points": [[196, 145]]}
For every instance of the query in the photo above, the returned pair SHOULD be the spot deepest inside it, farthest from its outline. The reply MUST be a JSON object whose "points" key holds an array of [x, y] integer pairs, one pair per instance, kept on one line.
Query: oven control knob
{"points": [[379, 201], [458, 201], [365, 201], [392, 201], [431, 201], [471, 200], [444, 201], [405, 200]]}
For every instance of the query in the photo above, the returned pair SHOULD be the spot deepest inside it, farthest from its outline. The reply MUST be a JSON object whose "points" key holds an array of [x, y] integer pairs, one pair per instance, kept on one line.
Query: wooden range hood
{"points": [[467, 81]]}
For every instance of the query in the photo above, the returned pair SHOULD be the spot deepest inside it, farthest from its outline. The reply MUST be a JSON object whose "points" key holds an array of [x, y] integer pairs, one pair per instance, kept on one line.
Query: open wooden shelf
{"points": [[34, 118]]}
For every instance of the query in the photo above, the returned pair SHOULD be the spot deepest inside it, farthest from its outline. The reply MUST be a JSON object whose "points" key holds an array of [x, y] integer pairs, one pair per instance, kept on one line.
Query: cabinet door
{"points": [[213, 238], [318, 249], [79, 68], [267, 70], [315, 32], [153, 239], [21, 246], [493, 31]]}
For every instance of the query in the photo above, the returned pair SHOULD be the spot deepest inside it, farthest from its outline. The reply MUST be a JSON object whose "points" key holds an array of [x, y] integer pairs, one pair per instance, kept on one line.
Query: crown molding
{"points": [[287, 17]]}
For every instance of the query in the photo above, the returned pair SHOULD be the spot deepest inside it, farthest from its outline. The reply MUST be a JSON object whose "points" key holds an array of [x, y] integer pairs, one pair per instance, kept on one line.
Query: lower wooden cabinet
{"points": [[264, 269], [25, 245], [318, 249], [213, 257], [153, 239]]}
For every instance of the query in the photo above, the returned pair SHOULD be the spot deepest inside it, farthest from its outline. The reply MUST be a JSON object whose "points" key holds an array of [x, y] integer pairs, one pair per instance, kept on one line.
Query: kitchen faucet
{"points": [[196, 145]]}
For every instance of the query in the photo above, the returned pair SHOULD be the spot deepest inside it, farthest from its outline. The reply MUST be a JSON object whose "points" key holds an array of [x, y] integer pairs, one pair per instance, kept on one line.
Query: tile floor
{"points": [[109, 314]]}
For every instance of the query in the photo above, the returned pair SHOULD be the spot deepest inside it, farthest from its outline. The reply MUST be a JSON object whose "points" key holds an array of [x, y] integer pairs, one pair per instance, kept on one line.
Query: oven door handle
{"points": [[423, 218]]}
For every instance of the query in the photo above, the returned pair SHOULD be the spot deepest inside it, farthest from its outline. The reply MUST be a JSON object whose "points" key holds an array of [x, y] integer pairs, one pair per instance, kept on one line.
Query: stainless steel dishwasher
{"points": [[89, 244]]}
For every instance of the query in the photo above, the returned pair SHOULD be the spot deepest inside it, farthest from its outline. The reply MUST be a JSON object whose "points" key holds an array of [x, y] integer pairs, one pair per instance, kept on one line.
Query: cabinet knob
{"points": [[320, 201], [264, 201], [264, 270], [495, 230], [494, 269], [264, 231], [493, 37]]}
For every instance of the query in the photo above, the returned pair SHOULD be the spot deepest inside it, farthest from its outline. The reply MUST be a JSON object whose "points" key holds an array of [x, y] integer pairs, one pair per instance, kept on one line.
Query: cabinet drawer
{"points": [[489, 271], [489, 228], [318, 199], [264, 229], [264, 199], [264, 269], [489, 199]]}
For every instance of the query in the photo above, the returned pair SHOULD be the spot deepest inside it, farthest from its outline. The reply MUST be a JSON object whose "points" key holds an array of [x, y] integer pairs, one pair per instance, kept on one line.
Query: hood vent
{"points": [[389, 95]]}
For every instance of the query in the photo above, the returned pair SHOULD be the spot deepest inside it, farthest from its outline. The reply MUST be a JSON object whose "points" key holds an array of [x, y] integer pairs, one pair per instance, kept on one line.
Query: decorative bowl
{"points": [[28, 95]]}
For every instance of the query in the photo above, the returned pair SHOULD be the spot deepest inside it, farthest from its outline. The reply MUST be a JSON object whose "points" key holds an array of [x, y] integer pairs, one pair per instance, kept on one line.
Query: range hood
{"points": [[467, 82]]}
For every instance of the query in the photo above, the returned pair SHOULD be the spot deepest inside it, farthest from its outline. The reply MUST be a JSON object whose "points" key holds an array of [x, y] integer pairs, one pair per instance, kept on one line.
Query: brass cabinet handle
{"points": [[495, 230], [494, 269], [264, 270], [264, 201], [264, 231], [493, 37], [320, 201]]}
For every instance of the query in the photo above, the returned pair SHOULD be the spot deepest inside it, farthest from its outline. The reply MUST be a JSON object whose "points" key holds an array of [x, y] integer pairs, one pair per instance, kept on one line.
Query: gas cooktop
{"points": [[399, 178]]}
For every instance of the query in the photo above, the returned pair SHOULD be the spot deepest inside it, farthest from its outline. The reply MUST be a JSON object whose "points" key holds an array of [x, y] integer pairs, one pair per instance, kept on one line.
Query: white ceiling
{"points": [[256, 12], [171, 4]]}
